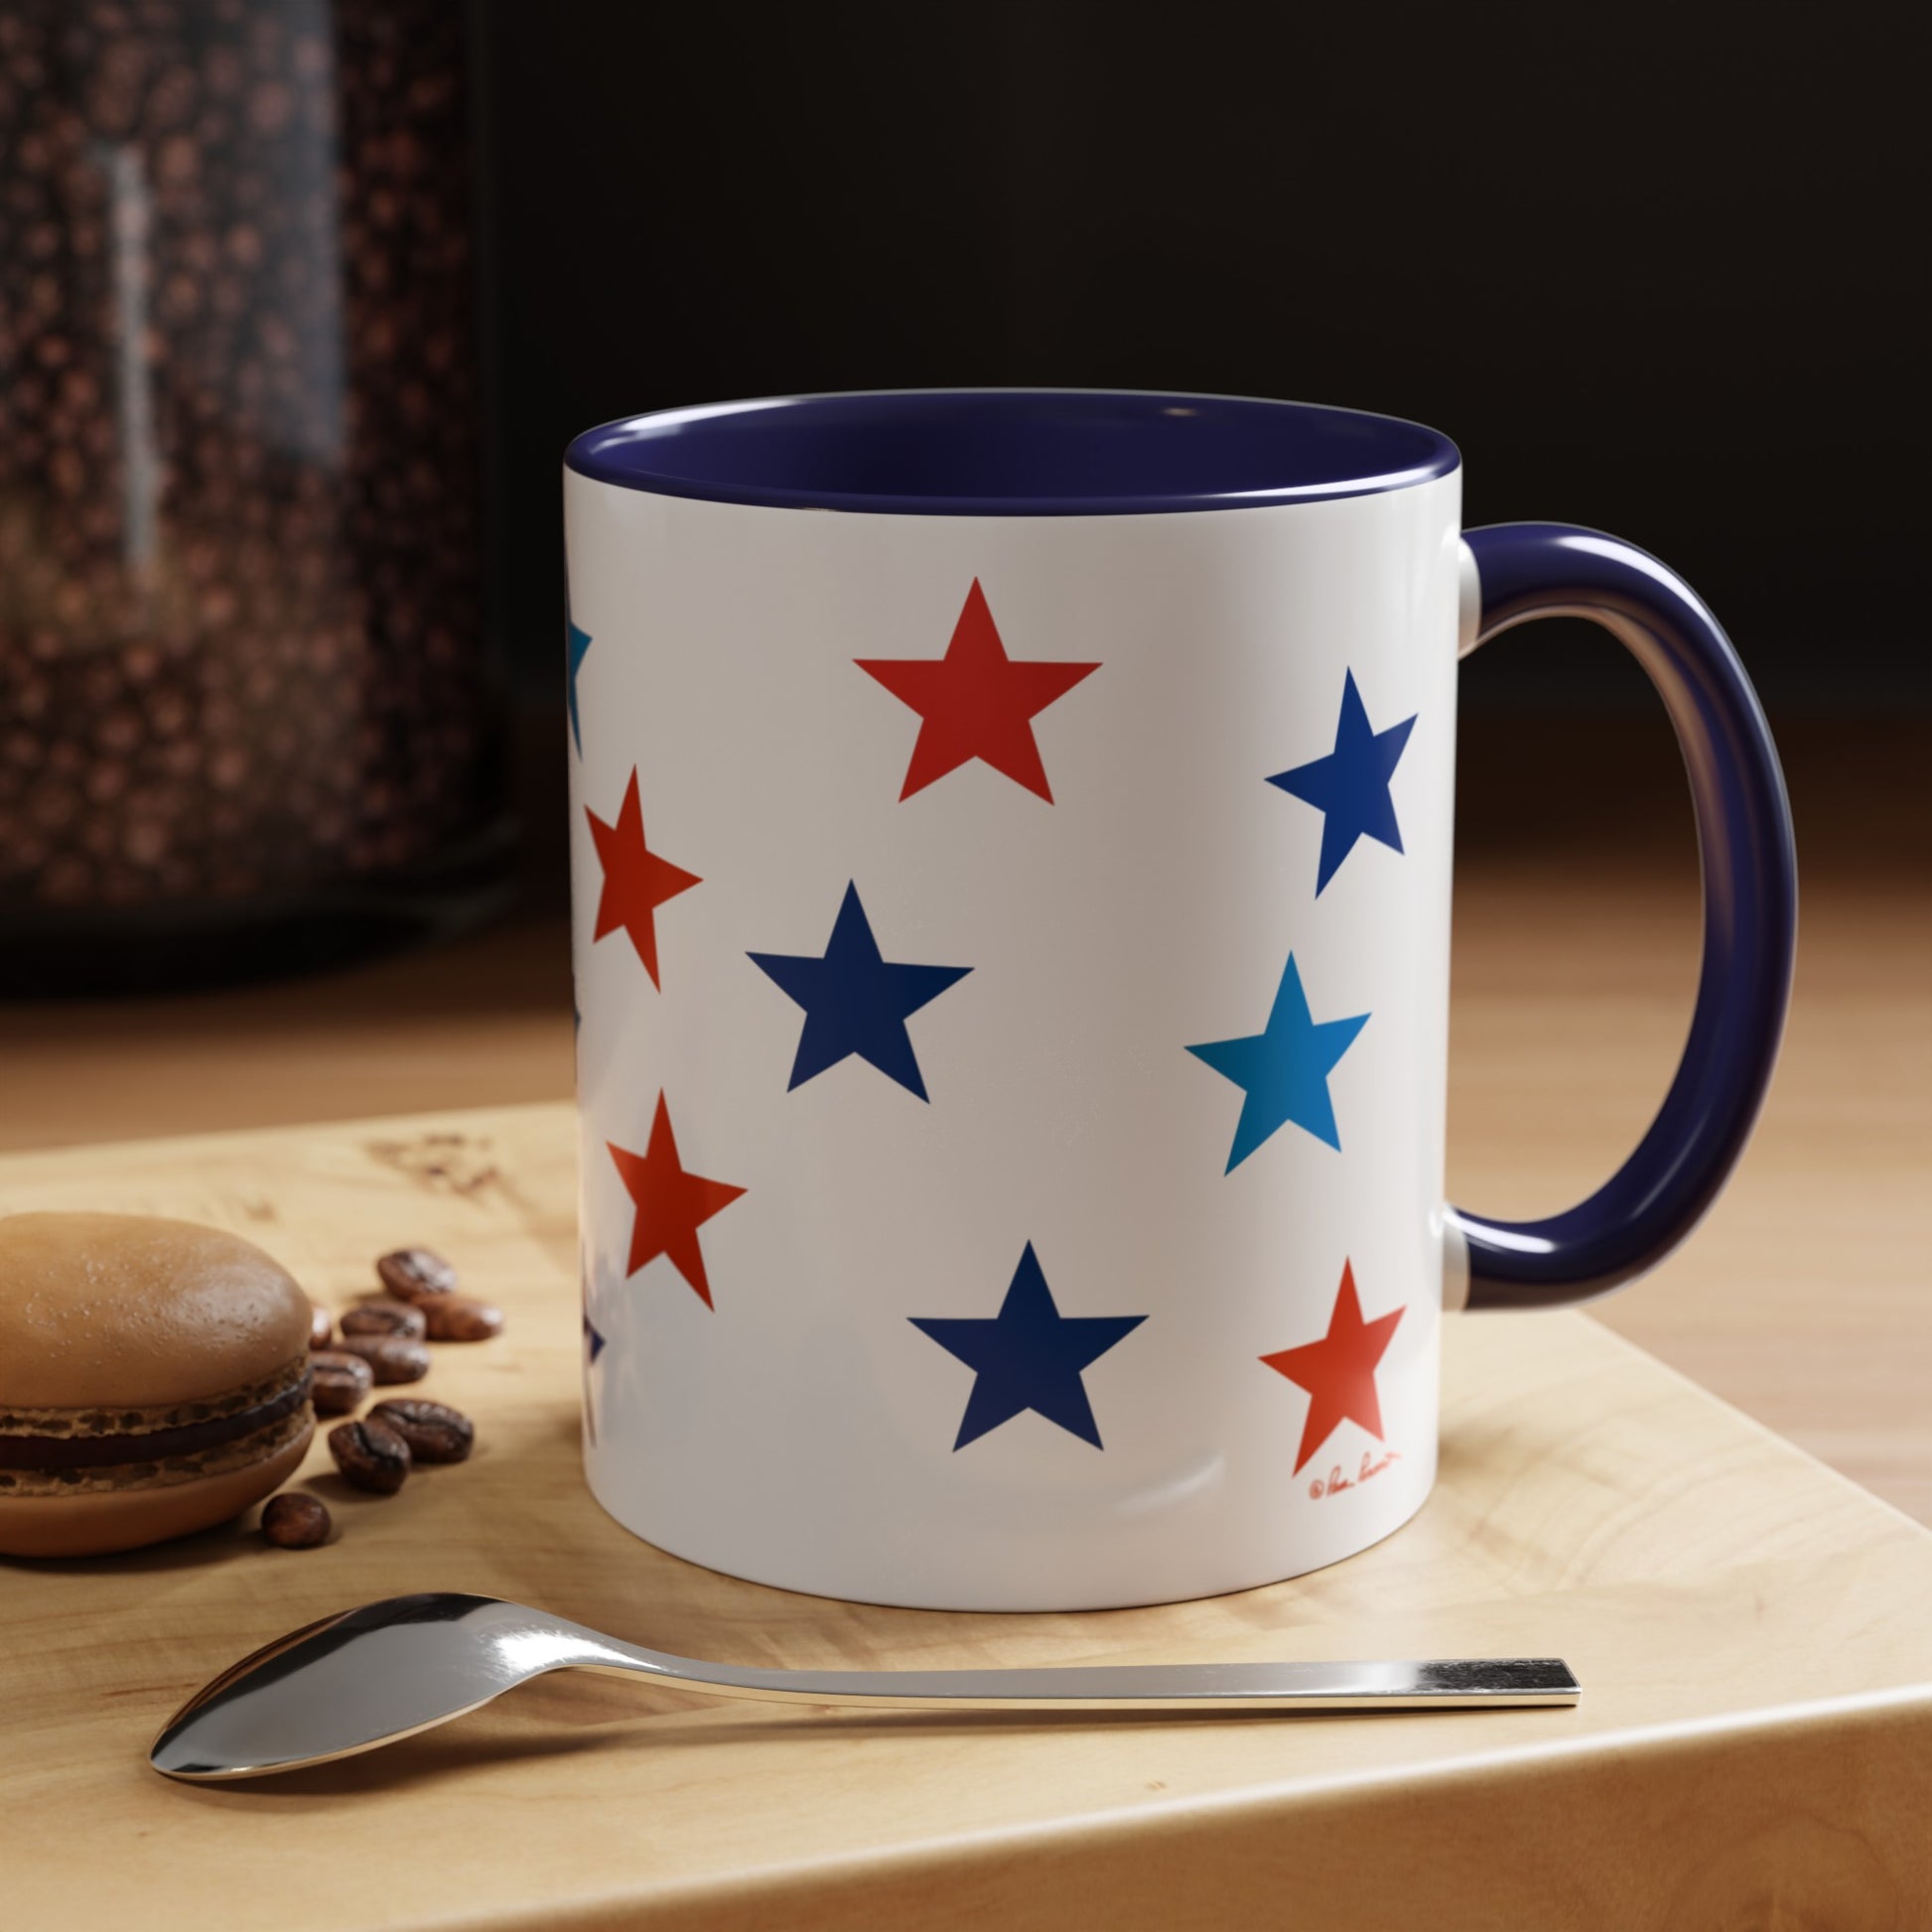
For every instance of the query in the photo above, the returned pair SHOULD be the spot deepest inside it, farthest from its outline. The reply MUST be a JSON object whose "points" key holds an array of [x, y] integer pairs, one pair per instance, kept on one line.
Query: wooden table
{"points": [[1752, 1748]]}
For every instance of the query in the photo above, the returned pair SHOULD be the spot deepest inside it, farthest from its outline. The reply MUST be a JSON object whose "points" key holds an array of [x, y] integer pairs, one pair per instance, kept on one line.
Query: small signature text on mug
{"points": [[1336, 1480]]}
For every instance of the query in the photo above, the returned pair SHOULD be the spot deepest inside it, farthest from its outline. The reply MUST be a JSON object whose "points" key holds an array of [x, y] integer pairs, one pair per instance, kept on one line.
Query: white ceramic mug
{"points": [[1011, 859]]}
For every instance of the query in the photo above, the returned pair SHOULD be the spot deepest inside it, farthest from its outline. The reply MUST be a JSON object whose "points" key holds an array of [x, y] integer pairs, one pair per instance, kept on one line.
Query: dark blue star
{"points": [[593, 1346], [1350, 786], [1027, 1356], [578, 648], [1283, 1069], [855, 1001]]}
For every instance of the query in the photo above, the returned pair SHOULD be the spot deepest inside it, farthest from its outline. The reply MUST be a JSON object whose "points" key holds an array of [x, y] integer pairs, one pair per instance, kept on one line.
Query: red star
{"points": [[636, 881], [975, 702], [671, 1204], [1338, 1371]]}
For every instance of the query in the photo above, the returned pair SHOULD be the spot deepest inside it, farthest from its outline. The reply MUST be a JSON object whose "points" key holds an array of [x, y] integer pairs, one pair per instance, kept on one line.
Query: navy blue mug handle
{"points": [[1750, 913]]}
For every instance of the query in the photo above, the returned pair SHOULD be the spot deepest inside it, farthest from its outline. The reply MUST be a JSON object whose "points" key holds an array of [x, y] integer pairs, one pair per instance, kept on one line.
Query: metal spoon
{"points": [[388, 1670]]}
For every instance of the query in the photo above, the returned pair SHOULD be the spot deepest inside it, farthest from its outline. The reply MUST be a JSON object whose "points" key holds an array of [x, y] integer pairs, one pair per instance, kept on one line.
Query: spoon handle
{"points": [[1436, 1684]]}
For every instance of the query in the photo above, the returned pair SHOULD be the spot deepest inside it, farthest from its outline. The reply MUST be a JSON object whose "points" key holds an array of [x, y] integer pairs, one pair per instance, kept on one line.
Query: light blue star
{"points": [[1285, 1069], [1350, 786], [578, 648]]}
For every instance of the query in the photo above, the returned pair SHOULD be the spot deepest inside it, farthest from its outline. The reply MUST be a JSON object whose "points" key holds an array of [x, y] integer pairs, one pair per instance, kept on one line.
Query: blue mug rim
{"points": [[1046, 452]]}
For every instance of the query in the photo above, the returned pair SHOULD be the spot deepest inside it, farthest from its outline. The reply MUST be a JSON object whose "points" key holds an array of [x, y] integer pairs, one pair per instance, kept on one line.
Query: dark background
{"points": [[1654, 269]]}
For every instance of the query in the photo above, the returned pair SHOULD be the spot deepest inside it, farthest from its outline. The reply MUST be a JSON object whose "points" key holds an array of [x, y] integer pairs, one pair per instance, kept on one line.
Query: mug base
{"points": [[1022, 1601]]}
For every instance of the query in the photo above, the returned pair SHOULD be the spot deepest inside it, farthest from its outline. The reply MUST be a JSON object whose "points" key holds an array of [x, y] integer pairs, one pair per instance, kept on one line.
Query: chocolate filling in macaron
{"points": [[62, 1448]]}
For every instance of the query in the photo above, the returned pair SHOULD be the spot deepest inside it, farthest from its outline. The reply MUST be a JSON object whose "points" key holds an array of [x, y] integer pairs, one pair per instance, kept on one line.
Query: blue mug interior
{"points": [[1012, 452]]}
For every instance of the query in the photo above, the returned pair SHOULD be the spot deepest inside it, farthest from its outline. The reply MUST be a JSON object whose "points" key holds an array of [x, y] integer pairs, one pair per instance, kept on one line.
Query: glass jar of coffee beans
{"points": [[248, 720]]}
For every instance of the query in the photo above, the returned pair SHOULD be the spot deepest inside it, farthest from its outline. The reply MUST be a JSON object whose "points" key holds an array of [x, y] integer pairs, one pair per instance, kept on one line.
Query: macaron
{"points": [[154, 1380]]}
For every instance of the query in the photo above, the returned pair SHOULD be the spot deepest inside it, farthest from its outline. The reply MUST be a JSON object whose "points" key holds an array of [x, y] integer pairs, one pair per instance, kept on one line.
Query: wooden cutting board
{"points": [[1753, 1633]]}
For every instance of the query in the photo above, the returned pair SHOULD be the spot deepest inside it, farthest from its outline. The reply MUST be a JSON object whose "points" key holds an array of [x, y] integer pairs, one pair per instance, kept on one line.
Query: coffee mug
{"points": [[1011, 840]]}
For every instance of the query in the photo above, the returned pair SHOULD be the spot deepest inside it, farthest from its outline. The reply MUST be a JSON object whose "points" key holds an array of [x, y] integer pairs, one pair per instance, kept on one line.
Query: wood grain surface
{"points": [[1751, 1751]]}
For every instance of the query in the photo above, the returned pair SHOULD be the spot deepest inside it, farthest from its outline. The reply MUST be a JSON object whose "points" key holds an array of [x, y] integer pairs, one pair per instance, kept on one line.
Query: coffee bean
{"points": [[416, 1275], [385, 1318], [322, 1330], [391, 1358], [294, 1521], [434, 1431], [371, 1456], [338, 1381], [460, 1317]]}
